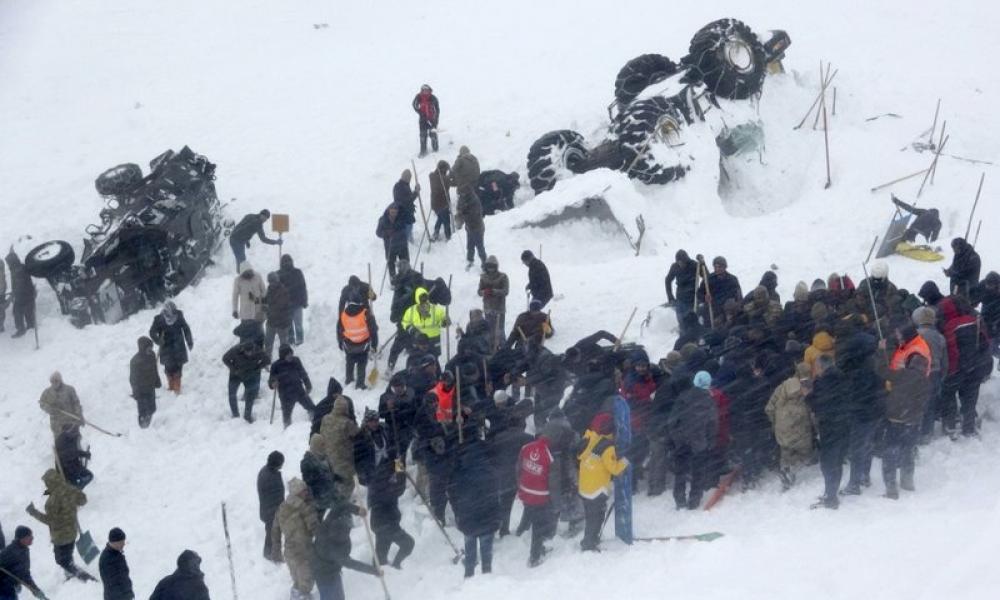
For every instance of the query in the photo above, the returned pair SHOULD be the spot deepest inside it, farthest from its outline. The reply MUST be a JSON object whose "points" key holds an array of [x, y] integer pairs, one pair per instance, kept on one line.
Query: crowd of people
{"points": [[752, 387]]}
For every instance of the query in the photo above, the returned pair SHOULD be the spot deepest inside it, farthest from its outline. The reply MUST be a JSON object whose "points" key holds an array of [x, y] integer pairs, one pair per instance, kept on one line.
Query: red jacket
{"points": [[956, 332], [446, 403], [533, 466], [638, 390]]}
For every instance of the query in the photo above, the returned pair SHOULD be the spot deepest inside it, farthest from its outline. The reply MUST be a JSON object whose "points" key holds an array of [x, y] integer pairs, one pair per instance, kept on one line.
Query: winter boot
{"points": [[891, 491], [787, 479], [906, 481], [852, 489], [830, 502], [19, 333]]}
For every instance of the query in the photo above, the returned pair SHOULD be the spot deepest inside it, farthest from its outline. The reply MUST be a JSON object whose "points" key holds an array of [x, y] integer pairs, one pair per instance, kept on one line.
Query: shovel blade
{"points": [[85, 546]]}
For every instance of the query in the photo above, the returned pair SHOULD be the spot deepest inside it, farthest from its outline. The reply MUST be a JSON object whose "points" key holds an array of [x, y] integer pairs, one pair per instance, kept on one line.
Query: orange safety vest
{"points": [[356, 327], [446, 403], [915, 346]]}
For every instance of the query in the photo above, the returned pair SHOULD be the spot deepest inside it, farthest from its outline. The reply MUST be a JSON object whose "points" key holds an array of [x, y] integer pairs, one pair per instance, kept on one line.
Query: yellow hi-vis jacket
{"points": [[598, 464], [430, 325]]}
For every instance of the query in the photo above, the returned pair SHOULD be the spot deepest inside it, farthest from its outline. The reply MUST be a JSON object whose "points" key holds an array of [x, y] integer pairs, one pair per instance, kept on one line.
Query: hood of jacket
{"points": [[823, 342]]}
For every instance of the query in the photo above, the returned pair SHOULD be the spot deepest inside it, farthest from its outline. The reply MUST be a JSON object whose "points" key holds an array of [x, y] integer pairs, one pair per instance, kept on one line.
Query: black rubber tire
{"points": [[119, 180], [634, 126], [49, 259], [650, 172], [552, 153], [640, 73], [708, 60]]}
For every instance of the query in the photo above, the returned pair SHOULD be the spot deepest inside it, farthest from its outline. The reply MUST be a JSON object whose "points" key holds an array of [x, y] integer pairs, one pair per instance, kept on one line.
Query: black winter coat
{"points": [[399, 419], [186, 583], [332, 546], [143, 375], [244, 365], [374, 458], [685, 275], [829, 401], [114, 575], [16, 559], [249, 226], [278, 305], [472, 490], [393, 233], [70, 454], [865, 402], [173, 340], [965, 268], [405, 197], [290, 377], [325, 406], [318, 476], [270, 492], [295, 282], [722, 286], [539, 283], [504, 452]]}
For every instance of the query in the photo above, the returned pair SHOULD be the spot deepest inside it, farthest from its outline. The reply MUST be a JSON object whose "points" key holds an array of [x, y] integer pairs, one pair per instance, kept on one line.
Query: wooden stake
{"points": [[895, 181], [826, 142], [934, 161], [937, 109], [940, 143], [975, 204], [816, 101]]}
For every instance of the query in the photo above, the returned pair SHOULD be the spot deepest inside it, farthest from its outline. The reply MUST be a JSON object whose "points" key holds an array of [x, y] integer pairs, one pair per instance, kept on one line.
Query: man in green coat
{"points": [[60, 516]]}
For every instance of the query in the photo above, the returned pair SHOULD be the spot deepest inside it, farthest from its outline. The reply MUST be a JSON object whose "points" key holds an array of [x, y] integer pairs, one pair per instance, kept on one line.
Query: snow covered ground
{"points": [[315, 121]]}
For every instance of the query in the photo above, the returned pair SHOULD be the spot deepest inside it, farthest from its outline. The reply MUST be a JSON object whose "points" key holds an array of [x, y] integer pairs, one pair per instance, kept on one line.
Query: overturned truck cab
{"points": [[158, 232]]}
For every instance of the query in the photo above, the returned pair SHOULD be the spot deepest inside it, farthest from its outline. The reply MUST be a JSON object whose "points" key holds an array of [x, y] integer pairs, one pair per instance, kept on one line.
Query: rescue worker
{"points": [[426, 318], [357, 336]]}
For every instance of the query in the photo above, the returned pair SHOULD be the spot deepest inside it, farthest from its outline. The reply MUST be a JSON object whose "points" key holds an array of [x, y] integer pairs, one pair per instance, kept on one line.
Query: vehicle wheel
{"points": [[553, 153], [49, 259], [645, 118], [728, 58], [118, 180], [650, 172], [640, 73]]}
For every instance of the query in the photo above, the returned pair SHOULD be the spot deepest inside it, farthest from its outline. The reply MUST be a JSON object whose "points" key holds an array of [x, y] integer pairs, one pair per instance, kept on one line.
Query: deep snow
{"points": [[316, 122]]}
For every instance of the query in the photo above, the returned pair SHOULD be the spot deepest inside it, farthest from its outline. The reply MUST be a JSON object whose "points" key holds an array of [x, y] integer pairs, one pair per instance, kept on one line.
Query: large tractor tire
{"points": [[119, 180], [728, 58], [48, 259], [554, 153], [640, 73]]}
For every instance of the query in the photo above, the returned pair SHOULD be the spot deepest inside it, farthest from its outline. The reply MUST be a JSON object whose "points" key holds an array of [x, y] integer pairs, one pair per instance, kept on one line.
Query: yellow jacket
{"points": [[429, 326], [597, 468]]}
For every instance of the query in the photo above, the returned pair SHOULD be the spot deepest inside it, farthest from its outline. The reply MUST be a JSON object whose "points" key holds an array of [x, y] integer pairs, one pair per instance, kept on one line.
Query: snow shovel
{"points": [[373, 375], [86, 547]]}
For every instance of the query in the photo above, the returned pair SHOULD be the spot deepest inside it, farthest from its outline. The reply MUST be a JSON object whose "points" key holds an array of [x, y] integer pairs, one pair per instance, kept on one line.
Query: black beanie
{"points": [[116, 535], [22, 532], [275, 460]]}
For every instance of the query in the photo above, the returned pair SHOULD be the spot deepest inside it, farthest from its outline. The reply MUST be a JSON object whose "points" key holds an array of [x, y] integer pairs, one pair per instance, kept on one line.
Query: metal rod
{"points": [[975, 204]]}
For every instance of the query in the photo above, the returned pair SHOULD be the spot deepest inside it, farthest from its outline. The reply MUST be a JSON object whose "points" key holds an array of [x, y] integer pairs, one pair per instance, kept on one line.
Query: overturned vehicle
{"points": [[157, 234], [726, 62]]}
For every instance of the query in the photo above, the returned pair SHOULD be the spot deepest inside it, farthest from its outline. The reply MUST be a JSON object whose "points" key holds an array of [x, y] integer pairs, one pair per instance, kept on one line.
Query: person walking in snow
{"points": [[171, 333], [469, 209], [62, 502], [144, 378], [338, 431], [289, 377], [113, 568], [441, 199], [250, 225], [298, 296], [62, 405], [187, 582], [493, 288], [248, 303], [245, 360], [539, 284], [392, 228], [357, 337], [426, 105], [295, 523], [15, 565], [270, 494]]}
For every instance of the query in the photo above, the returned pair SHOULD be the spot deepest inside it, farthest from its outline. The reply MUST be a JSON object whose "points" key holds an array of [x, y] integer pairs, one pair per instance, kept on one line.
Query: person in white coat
{"points": [[248, 303]]}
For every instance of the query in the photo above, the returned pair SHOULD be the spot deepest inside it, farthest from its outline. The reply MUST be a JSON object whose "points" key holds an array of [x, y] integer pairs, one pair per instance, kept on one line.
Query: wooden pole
{"points": [[975, 204], [826, 143], [816, 101], [901, 179], [934, 161]]}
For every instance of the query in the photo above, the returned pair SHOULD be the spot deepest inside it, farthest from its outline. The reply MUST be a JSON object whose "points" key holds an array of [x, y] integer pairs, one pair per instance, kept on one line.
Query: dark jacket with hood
{"points": [[186, 583], [277, 303], [404, 197], [685, 272], [170, 331], [539, 283], [965, 267], [289, 376], [393, 233], [294, 281], [245, 361], [143, 375], [472, 489], [332, 546]]}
